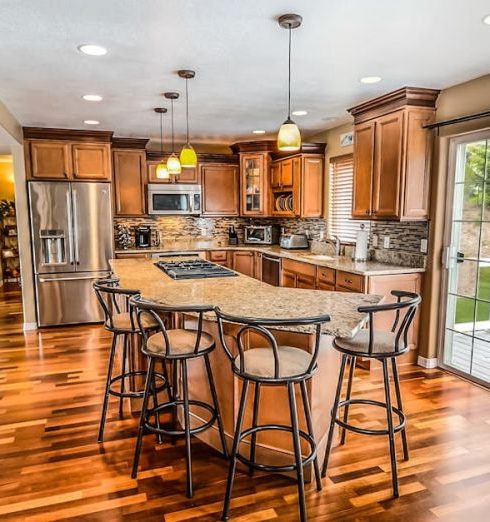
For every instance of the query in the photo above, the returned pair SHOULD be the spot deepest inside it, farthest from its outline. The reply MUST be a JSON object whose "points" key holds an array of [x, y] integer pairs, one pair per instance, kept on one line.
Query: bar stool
{"points": [[382, 346], [113, 300], [272, 365], [176, 346]]}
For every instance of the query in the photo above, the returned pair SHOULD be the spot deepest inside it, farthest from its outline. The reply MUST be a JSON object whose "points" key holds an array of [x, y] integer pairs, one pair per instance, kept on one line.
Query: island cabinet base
{"points": [[273, 447]]}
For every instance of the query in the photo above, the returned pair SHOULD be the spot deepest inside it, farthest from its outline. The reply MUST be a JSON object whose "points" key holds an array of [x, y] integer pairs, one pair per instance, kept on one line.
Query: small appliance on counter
{"points": [[294, 241], [261, 234], [142, 237], [361, 251], [232, 236]]}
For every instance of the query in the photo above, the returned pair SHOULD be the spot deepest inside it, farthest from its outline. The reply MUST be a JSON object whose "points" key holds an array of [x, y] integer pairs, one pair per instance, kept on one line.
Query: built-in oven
{"points": [[261, 234], [271, 269], [174, 199]]}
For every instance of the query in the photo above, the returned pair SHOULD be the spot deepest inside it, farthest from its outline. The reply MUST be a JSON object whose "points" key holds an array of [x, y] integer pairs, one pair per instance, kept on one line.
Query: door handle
{"points": [[459, 257], [42, 280], [75, 225], [70, 227]]}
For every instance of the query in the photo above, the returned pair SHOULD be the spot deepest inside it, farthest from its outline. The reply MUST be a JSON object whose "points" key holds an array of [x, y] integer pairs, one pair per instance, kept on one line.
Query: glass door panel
{"points": [[467, 328], [253, 184]]}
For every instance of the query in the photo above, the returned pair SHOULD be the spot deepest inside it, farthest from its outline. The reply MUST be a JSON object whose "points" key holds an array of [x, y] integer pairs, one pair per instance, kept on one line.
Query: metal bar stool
{"points": [[383, 346], [176, 346], [272, 365], [120, 323]]}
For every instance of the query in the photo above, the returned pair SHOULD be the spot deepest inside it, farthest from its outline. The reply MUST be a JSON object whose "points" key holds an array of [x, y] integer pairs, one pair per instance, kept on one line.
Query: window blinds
{"points": [[340, 222]]}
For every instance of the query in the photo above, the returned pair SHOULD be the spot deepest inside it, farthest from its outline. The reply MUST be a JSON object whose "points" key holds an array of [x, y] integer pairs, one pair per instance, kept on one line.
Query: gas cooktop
{"points": [[194, 269]]}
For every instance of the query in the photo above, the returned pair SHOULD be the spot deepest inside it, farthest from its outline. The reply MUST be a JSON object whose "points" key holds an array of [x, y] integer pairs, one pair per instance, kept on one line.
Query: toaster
{"points": [[294, 241]]}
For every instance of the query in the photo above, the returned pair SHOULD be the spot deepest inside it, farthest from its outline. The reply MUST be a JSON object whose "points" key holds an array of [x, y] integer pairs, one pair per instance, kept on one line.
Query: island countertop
{"points": [[244, 296]]}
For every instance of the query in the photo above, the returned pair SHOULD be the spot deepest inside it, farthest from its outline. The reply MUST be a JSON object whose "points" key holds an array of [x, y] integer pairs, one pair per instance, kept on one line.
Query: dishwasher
{"points": [[271, 267]]}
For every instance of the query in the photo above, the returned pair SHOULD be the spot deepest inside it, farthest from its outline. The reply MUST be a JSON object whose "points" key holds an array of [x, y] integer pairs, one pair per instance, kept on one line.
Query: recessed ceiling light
{"points": [[370, 79], [259, 131], [92, 97], [91, 122], [92, 49], [300, 113], [486, 20]]}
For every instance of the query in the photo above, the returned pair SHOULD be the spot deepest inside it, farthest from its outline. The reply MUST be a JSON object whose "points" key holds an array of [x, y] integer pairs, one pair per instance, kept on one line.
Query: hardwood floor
{"points": [[52, 468]]}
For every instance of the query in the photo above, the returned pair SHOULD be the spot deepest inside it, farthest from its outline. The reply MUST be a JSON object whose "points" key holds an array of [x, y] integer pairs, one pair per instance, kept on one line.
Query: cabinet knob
{"points": [[367, 211]]}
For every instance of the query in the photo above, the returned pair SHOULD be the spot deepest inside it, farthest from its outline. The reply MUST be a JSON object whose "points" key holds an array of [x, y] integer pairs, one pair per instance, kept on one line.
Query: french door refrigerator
{"points": [[71, 231]]}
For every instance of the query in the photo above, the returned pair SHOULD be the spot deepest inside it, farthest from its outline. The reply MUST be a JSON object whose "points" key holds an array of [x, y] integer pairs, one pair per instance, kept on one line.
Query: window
{"points": [[340, 222]]}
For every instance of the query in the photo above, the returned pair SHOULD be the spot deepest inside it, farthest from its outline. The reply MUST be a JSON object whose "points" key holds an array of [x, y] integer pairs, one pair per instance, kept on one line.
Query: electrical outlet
{"points": [[386, 242], [374, 241], [423, 246]]}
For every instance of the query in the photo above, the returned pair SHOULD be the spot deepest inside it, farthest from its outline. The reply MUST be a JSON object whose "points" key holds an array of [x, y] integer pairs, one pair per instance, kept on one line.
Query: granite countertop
{"points": [[245, 296], [367, 268]]}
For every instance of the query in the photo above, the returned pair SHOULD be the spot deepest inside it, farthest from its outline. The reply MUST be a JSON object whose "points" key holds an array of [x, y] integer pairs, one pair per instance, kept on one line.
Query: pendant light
{"points": [[289, 137], [161, 170], [188, 156], [173, 164]]}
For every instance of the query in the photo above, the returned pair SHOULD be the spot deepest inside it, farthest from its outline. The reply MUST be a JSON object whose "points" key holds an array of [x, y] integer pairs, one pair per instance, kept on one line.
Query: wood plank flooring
{"points": [[52, 468]]}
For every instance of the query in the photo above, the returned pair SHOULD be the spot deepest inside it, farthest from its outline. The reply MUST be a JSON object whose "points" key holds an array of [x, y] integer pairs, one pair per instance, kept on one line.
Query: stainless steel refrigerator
{"points": [[71, 231]]}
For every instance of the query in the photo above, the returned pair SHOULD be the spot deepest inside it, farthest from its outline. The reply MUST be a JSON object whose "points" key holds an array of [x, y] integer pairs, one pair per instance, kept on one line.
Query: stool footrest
{"points": [[366, 431], [271, 467], [134, 394], [176, 433]]}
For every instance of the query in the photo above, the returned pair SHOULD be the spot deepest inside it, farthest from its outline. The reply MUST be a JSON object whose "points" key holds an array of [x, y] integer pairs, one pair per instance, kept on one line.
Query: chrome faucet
{"points": [[334, 240]]}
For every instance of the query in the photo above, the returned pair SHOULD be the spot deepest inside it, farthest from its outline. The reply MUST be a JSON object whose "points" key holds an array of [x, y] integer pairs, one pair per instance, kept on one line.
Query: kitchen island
{"points": [[245, 296]]}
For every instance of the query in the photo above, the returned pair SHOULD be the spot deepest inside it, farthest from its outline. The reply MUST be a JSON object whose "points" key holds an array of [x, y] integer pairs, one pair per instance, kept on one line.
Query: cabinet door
{"points": [[190, 175], [129, 182], [254, 184], [152, 172], [50, 159], [387, 165], [91, 161], [288, 278], [305, 281], [220, 257], [363, 169], [312, 187], [276, 175], [321, 285], [244, 262], [287, 173], [219, 190]]}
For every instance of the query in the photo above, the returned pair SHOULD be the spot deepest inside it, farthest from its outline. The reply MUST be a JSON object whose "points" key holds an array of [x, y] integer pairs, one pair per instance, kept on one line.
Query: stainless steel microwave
{"points": [[174, 199], [261, 234]]}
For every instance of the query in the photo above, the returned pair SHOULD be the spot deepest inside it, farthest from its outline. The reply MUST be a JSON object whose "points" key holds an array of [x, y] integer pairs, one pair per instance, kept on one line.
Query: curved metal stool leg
{"points": [[143, 418], [352, 365], [112, 356], [253, 441], [236, 440], [391, 435], [309, 424], [400, 407], [334, 414]]}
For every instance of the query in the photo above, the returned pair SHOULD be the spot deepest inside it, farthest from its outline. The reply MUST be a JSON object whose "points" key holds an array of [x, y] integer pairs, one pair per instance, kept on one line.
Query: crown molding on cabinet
{"points": [[129, 143], [45, 133]]}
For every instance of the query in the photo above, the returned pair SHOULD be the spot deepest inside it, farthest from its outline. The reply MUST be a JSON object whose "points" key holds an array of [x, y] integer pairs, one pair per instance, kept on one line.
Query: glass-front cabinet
{"points": [[255, 184]]}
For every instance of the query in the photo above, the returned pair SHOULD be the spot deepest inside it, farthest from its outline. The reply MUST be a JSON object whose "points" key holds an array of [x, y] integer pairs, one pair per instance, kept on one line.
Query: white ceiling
{"points": [[239, 53]]}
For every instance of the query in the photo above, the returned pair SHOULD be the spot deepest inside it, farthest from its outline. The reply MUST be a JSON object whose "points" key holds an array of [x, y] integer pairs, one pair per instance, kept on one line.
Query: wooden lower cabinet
{"points": [[347, 282], [244, 262], [220, 257], [220, 190], [295, 274]]}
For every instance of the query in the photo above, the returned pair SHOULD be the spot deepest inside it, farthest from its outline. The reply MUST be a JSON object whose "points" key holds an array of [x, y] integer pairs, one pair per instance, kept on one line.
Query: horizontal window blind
{"points": [[340, 222]]}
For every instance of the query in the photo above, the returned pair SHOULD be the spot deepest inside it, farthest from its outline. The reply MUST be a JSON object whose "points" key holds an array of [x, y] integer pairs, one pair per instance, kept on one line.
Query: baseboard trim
{"points": [[29, 326], [427, 363]]}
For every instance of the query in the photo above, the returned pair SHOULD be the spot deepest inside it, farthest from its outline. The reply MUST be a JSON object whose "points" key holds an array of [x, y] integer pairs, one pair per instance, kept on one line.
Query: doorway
{"points": [[466, 340]]}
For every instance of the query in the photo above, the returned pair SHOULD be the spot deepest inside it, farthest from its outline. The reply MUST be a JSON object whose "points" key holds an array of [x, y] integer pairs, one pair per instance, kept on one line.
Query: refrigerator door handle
{"points": [[54, 280], [75, 225], [70, 228]]}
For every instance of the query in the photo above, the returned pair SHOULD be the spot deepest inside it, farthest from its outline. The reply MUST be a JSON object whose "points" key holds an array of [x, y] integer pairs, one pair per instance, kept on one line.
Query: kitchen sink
{"points": [[319, 257]]}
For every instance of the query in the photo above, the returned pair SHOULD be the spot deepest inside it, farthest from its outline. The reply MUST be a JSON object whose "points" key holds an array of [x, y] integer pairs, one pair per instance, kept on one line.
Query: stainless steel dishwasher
{"points": [[271, 267]]}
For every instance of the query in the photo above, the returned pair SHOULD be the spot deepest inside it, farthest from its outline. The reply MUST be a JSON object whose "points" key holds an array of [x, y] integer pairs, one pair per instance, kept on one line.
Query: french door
{"points": [[466, 343]]}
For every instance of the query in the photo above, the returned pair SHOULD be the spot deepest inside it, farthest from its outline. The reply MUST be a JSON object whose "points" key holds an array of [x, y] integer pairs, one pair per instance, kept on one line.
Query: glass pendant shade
{"points": [[188, 157], [162, 171], [289, 137], [173, 165]]}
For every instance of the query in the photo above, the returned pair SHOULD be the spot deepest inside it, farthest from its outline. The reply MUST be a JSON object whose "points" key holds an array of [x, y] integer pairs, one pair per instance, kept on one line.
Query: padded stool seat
{"points": [[182, 342], [122, 321], [359, 345]]}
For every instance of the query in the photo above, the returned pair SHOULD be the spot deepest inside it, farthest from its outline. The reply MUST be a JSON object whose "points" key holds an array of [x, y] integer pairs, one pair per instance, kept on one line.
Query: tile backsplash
{"points": [[405, 238]]}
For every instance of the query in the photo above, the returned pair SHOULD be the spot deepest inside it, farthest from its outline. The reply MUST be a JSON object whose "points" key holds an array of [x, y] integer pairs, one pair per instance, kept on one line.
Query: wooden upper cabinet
{"points": [[91, 161], [392, 153], [387, 165], [129, 182], [50, 159], [254, 183], [276, 175], [190, 176], [363, 169], [288, 168], [220, 188], [312, 187]]}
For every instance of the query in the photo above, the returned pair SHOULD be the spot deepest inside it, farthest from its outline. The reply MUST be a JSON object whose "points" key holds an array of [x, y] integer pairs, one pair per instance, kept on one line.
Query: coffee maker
{"points": [[142, 237]]}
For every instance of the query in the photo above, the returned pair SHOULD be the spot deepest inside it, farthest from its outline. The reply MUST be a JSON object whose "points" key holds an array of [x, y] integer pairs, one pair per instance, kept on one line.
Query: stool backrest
{"points": [[109, 294], [405, 308], [155, 310], [262, 327]]}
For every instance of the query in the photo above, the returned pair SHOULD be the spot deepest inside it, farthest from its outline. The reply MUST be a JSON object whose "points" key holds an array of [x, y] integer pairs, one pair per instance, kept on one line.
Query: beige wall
{"points": [[460, 100]]}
